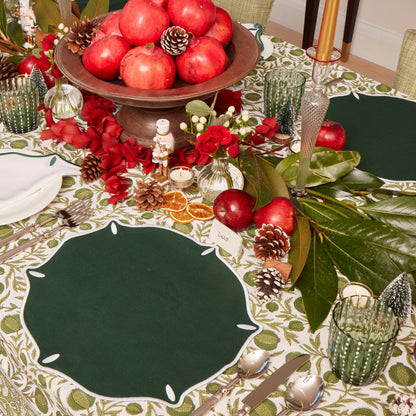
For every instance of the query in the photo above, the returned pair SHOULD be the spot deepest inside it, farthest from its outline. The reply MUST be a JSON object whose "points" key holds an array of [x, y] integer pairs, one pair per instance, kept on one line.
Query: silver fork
{"points": [[71, 209], [73, 221]]}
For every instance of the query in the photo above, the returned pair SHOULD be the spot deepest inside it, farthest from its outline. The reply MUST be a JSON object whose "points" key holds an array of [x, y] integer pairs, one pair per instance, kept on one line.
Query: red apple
{"points": [[103, 57], [142, 21], [196, 16], [222, 29], [26, 65], [148, 67], [110, 24], [279, 212], [203, 59], [331, 135], [234, 208]]}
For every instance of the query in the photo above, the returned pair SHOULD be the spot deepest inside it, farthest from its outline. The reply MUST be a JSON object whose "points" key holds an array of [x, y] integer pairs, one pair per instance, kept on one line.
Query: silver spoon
{"points": [[304, 394], [252, 365]]}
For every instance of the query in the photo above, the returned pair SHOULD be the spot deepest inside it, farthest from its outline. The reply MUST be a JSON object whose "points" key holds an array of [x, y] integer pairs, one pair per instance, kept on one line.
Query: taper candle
{"points": [[327, 32]]}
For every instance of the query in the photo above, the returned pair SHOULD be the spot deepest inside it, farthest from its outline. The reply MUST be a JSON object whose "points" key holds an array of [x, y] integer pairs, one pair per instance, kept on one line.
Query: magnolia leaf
{"points": [[47, 14], [369, 251], [318, 284], [3, 17], [278, 185], [345, 186], [300, 242], [257, 182], [95, 8], [326, 165], [16, 33], [399, 212], [198, 108], [327, 212]]}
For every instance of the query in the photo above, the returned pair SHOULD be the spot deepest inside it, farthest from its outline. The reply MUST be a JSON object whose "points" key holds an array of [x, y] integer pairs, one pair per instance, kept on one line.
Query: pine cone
{"points": [[269, 281], [148, 196], [91, 168], [7, 68], [271, 242], [81, 34], [174, 40]]}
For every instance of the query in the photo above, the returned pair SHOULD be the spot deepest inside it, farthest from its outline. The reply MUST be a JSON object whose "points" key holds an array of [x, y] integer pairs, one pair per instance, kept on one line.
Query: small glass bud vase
{"points": [[215, 178], [64, 100]]}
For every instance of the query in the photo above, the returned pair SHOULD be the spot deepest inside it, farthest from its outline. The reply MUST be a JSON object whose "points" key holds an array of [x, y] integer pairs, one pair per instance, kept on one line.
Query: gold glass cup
{"points": [[19, 102]]}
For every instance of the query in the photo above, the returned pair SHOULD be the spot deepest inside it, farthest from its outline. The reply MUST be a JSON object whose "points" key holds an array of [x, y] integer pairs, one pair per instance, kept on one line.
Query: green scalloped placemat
{"points": [[382, 130], [131, 312]]}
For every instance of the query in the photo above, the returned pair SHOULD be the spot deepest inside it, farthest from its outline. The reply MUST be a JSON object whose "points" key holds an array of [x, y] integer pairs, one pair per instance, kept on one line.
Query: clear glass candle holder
{"points": [[362, 335], [19, 102]]}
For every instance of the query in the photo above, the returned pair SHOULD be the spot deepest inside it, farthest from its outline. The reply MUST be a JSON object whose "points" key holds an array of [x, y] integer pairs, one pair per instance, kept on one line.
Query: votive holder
{"points": [[19, 102], [362, 335], [181, 177], [283, 91]]}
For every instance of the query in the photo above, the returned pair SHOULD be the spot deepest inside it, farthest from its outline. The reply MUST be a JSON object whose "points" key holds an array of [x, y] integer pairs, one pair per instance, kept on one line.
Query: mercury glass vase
{"points": [[314, 106], [64, 100], [215, 178]]}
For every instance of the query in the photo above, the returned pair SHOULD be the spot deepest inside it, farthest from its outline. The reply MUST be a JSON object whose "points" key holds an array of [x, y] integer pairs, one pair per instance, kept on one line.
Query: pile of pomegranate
{"points": [[128, 44]]}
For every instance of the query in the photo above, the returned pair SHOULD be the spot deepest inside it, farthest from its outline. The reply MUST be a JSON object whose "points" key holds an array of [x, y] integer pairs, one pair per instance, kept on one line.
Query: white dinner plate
{"points": [[32, 203]]}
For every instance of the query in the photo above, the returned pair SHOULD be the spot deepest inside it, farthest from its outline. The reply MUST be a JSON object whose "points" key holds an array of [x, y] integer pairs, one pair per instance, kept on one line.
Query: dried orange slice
{"points": [[199, 211], [174, 201], [181, 216]]}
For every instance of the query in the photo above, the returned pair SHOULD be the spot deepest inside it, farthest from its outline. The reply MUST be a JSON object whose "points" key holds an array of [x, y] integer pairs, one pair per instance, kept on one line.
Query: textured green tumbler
{"points": [[362, 335]]}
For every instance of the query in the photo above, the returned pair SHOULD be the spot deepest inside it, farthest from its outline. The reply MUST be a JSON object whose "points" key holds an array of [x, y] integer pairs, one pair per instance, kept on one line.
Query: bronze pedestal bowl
{"points": [[140, 109]]}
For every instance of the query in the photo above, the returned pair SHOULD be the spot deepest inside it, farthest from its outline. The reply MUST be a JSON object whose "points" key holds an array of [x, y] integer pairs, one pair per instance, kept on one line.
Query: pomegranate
{"points": [[196, 16], [110, 24], [26, 65], [161, 3], [148, 67], [222, 29], [203, 59], [142, 21], [103, 57]]}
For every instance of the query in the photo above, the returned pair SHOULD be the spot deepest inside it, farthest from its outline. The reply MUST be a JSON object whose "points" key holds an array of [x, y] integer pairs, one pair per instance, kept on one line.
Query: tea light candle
{"points": [[181, 176], [355, 289]]}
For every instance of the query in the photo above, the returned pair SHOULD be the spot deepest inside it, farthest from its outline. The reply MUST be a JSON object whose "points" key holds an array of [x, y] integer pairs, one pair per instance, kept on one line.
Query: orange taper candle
{"points": [[327, 33]]}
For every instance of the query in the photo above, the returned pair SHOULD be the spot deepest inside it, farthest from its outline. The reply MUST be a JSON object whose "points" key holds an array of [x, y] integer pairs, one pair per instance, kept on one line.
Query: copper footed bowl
{"points": [[140, 109]]}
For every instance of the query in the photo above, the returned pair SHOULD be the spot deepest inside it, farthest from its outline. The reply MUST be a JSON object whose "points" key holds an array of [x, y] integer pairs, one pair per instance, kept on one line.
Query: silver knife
{"points": [[269, 385]]}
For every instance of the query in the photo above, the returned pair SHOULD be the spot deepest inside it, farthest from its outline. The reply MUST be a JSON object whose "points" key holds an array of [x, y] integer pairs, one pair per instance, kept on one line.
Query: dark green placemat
{"points": [[382, 130], [133, 312]]}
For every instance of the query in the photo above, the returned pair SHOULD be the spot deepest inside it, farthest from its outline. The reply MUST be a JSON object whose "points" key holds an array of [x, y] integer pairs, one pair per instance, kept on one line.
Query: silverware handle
{"points": [[245, 411], [26, 230], [10, 253], [283, 412], [215, 398]]}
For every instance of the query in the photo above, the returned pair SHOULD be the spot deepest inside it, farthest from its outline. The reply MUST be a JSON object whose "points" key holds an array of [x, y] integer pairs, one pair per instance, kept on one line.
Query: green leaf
{"points": [[198, 108], [369, 251], [300, 242], [399, 212], [16, 33], [3, 17], [327, 212], [95, 8], [47, 14], [326, 165], [356, 180], [318, 284]]}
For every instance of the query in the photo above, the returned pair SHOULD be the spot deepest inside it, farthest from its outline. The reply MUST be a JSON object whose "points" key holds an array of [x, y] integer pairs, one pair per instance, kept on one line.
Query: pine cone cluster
{"points": [[91, 167], [271, 242], [81, 35], [7, 68], [174, 40], [149, 195], [269, 281]]}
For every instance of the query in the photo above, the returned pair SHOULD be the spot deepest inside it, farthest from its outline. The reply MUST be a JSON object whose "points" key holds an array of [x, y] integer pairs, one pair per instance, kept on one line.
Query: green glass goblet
{"points": [[362, 335]]}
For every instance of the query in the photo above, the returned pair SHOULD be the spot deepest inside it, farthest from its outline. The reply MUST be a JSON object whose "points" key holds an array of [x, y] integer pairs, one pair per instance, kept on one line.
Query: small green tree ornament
{"points": [[37, 77], [398, 295]]}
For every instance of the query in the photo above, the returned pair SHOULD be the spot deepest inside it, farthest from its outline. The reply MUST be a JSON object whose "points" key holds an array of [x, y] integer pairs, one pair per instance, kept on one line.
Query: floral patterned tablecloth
{"points": [[27, 389]]}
